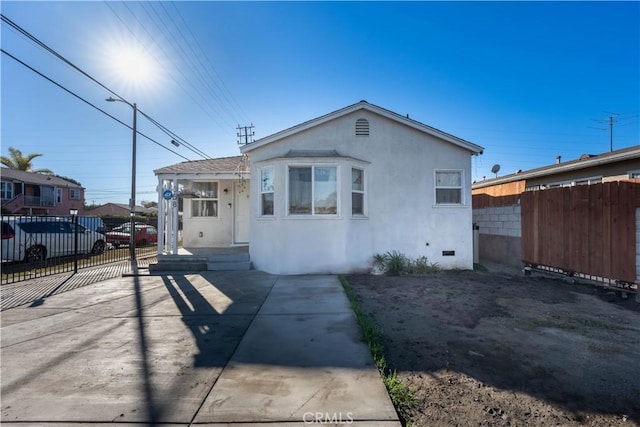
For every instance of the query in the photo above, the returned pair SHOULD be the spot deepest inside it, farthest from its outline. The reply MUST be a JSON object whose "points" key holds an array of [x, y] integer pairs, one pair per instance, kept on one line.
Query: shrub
{"points": [[395, 263]]}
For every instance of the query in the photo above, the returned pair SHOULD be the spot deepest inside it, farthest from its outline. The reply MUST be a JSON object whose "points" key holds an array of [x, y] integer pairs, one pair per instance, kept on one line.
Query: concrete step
{"points": [[179, 263], [227, 266], [240, 257]]}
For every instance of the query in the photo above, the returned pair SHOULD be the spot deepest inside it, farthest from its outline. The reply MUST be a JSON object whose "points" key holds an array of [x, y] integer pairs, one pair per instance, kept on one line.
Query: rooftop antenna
{"points": [[495, 169]]}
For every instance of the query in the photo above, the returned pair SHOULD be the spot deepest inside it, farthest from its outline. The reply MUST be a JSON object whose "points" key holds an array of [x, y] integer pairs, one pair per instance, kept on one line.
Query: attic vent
{"points": [[362, 127]]}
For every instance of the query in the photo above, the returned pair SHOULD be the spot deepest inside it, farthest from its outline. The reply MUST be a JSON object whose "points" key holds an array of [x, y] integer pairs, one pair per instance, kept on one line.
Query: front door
{"points": [[241, 212]]}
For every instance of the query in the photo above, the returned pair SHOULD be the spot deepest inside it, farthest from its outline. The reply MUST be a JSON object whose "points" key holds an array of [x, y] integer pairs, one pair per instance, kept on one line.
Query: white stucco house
{"points": [[328, 194]]}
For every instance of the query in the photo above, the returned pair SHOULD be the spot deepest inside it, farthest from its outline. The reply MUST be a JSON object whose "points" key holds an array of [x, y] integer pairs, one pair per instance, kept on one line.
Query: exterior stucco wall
{"points": [[215, 231], [399, 164]]}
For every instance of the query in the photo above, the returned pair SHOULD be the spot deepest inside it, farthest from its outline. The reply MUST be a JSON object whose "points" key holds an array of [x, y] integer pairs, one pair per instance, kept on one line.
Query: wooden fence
{"points": [[588, 229]]}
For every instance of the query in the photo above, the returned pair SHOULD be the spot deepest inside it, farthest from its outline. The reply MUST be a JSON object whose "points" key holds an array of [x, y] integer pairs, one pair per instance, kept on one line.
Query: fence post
{"points": [[75, 243]]}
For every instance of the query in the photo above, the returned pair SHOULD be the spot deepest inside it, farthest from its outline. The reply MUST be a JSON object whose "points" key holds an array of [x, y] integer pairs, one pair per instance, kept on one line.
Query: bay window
{"points": [[357, 191], [266, 191], [313, 190]]}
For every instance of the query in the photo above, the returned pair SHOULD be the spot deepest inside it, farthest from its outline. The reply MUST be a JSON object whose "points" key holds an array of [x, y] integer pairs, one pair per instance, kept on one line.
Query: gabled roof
{"points": [[364, 105], [221, 165], [36, 178], [585, 161]]}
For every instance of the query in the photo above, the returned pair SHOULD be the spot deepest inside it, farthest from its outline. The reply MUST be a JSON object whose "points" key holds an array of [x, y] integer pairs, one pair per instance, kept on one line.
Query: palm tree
{"points": [[17, 161]]}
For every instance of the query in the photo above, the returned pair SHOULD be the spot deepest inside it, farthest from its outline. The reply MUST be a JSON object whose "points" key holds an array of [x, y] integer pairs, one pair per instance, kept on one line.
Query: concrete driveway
{"points": [[209, 348]]}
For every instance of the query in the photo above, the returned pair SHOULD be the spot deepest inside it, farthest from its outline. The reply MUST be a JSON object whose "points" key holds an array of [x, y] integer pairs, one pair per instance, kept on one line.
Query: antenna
{"points": [[495, 169]]}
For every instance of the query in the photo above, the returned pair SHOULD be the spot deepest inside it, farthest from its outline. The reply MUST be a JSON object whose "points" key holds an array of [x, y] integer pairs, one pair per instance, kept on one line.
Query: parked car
{"points": [[94, 223], [34, 239], [144, 235]]}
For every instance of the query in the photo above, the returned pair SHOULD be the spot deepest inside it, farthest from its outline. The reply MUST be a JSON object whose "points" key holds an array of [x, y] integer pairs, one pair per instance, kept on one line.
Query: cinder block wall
{"points": [[500, 234]]}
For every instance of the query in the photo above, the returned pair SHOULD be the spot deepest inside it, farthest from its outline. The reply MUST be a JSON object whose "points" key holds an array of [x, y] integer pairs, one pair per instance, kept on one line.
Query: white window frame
{"points": [[363, 192], [6, 190], [436, 188], [58, 195], [262, 191], [312, 214], [74, 194], [206, 199]]}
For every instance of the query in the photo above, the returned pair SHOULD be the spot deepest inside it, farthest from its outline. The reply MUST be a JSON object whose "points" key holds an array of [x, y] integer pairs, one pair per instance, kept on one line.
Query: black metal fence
{"points": [[40, 246]]}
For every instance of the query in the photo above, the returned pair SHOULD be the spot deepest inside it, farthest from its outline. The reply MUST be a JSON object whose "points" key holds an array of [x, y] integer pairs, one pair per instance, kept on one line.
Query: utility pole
{"points": [[609, 121], [245, 134]]}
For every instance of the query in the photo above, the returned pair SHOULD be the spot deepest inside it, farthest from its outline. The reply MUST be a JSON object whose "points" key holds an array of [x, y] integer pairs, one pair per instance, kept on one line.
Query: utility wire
{"points": [[174, 136], [78, 69], [203, 54], [54, 53], [216, 118], [89, 103]]}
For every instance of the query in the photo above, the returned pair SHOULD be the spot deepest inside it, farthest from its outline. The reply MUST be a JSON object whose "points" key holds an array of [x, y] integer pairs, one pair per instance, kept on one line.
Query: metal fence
{"points": [[41, 246]]}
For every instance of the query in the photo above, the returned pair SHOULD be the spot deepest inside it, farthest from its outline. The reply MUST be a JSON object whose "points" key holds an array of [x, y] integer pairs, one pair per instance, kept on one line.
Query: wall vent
{"points": [[362, 127], [448, 253]]}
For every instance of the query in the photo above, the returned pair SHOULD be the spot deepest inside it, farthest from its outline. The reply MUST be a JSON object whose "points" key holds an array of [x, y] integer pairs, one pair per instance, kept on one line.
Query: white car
{"points": [[34, 239]]}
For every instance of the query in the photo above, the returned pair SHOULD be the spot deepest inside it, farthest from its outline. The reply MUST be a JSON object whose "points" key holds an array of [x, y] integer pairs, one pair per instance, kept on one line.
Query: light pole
{"points": [[132, 200]]}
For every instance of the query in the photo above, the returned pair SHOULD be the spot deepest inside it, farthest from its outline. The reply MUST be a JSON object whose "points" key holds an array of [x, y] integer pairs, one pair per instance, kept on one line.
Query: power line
{"points": [[78, 69], [89, 103], [218, 117]]}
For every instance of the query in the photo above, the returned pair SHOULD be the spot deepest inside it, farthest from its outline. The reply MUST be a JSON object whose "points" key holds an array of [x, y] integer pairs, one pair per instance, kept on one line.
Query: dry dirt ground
{"points": [[498, 349]]}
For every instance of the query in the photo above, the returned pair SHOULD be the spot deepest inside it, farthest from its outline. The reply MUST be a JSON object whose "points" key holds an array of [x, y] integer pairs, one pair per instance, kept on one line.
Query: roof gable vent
{"points": [[362, 127]]}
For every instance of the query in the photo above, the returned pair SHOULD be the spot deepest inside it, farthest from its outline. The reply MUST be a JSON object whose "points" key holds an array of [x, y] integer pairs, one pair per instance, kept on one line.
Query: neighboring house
{"points": [[329, 194], [119, 210], [30, 193], [215, 198], [498, 212], [616, 165]]}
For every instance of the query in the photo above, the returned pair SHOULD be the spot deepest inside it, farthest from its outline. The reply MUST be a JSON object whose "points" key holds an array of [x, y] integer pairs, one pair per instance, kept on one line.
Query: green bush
{"points": [[395, 263]]}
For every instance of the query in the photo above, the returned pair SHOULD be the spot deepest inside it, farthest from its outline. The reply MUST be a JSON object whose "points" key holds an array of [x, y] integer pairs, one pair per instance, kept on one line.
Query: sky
{"points": [[528, 81]]}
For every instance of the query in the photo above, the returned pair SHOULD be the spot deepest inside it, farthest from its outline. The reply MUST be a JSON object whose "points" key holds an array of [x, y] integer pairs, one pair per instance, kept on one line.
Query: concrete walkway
{"points": [[215, 348]]}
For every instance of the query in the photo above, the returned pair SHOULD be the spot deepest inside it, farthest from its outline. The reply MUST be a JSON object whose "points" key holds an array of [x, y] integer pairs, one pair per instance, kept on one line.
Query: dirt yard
{"points": [[498, 349]]}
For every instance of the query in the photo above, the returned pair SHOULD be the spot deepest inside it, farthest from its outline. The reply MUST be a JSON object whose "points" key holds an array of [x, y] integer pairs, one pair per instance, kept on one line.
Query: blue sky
{"points": [[525, 80]]}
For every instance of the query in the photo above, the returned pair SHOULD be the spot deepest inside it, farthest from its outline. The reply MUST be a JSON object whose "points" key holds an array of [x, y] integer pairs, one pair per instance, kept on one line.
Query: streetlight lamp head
{"points": [[110, 99]]}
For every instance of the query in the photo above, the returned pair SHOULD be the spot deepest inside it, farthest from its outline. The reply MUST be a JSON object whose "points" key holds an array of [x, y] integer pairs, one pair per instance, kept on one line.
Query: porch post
{"points": [[174, 219], [161, 214]]}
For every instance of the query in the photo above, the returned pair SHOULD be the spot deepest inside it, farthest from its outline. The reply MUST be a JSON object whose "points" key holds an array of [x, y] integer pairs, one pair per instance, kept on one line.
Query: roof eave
{"points": [[561, 168]]}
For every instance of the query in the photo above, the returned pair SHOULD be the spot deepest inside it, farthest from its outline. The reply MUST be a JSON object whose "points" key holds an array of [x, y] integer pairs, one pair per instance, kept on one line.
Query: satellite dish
{"points": [[495, 169]]}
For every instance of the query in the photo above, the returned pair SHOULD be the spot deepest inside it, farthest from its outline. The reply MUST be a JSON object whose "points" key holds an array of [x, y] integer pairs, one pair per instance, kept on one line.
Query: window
{"points": [[6, 190], [357, 191], [206, 205], [313, 190], [74, 194], [634, 174], [448, 187], [58, 195], [362, 127], [266, 191]]}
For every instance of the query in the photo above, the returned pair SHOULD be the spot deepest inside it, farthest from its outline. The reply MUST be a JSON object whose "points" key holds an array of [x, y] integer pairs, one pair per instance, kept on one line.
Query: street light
{"points": [[132, 200]]}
